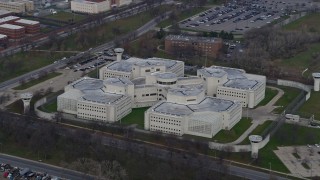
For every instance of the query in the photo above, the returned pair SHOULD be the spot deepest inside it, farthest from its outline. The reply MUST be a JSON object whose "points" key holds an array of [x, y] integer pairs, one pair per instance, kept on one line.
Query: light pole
{"points": [[270, 167]]}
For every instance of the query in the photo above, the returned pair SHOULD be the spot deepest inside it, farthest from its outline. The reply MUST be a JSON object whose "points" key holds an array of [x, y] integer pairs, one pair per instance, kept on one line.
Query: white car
{"points": [[317, 145]]}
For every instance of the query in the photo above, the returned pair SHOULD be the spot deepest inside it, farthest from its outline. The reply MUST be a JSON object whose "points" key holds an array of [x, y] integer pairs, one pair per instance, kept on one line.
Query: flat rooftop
{"points": [[213, 72], [120, 81], [8, 18], [185, 91], [241, 83], [193, 39], [207, 104], [88, 84], [165, 75], [316, 75], [3, 36], [10, 26], [100, 96], [219, 71], [25, 21], [139, 81], [126, 65]]}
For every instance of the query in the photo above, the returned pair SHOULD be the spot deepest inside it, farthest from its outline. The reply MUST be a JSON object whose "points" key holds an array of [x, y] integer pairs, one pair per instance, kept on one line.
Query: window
{"points": [[147, 70]]}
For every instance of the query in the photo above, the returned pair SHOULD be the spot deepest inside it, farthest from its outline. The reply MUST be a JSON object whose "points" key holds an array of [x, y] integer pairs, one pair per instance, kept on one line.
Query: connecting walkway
{"points": [[259, 115]]}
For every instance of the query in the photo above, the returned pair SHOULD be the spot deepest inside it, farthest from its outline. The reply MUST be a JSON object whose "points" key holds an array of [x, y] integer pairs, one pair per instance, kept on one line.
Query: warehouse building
{"points": [[204, 46], [17, 6], [12, 31], [233, 84], [31, 27]]}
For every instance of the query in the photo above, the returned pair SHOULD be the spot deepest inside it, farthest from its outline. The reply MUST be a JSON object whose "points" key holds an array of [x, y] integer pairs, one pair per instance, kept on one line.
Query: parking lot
{"points": [[99, 59], [309, 154], [240, 16]]}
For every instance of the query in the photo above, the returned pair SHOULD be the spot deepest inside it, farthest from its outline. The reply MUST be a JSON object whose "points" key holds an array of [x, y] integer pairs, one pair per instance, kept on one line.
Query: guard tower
{"points": [[26, 98], [119, 52], [316, 78], [255, 140]]}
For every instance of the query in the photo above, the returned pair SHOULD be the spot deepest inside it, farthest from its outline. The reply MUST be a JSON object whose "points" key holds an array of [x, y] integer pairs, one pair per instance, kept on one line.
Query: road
{"points": [[42, 167], [34, 74]]}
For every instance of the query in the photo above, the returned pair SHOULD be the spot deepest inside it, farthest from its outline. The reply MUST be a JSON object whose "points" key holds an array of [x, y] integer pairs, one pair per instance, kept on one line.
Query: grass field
{"points": [[307, 57], [183, 15], [303, 59], [87, 39], [312, 106], [135, 117], [49, 107], [257, 131], [309, 23], [66, 16], [226, 136], [24, 62], [36, 81], [269, 95], [289, 95]]}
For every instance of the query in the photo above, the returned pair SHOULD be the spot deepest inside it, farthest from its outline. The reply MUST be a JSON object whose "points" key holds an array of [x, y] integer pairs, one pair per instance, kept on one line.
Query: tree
{"points": [[161, 33]]}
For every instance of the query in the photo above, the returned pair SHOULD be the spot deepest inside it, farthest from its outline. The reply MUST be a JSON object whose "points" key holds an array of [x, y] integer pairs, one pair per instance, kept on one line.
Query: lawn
{"points": [[312, 106], [226, 136], [108, 31], [24, 62], [269, 95], [257, 131], [289, 95], [36, 81], [309, 23], [181, 16], [49, 107], [306, 58], [135, 117], [66, 16], [303, 59]]}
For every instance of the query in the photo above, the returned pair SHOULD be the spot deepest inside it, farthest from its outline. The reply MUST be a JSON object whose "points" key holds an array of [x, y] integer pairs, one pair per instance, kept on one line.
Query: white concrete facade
{"points": [[199, 105], [95, 99], [189, 111], [234, 84], [90, 7]]}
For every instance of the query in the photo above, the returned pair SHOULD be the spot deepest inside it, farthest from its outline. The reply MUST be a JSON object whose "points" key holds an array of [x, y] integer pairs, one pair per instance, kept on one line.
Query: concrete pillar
{"points": [[316, 78], [255, 140], [251, 99], [119, 52], [26, 98]]}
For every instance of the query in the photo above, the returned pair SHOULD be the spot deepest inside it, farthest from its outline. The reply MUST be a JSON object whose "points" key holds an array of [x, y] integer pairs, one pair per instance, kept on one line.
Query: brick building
{"points": [[8, 19], [3, 40], [32, 27], [205, 46], [12, 31]]}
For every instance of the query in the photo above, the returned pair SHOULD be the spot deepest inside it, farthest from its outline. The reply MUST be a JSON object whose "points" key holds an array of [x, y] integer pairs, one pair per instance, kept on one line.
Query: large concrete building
{"points": [[189, 111], [205, 46], [199, 105], [96, 6], [17, 6], [233, 84], [95, 99]]}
